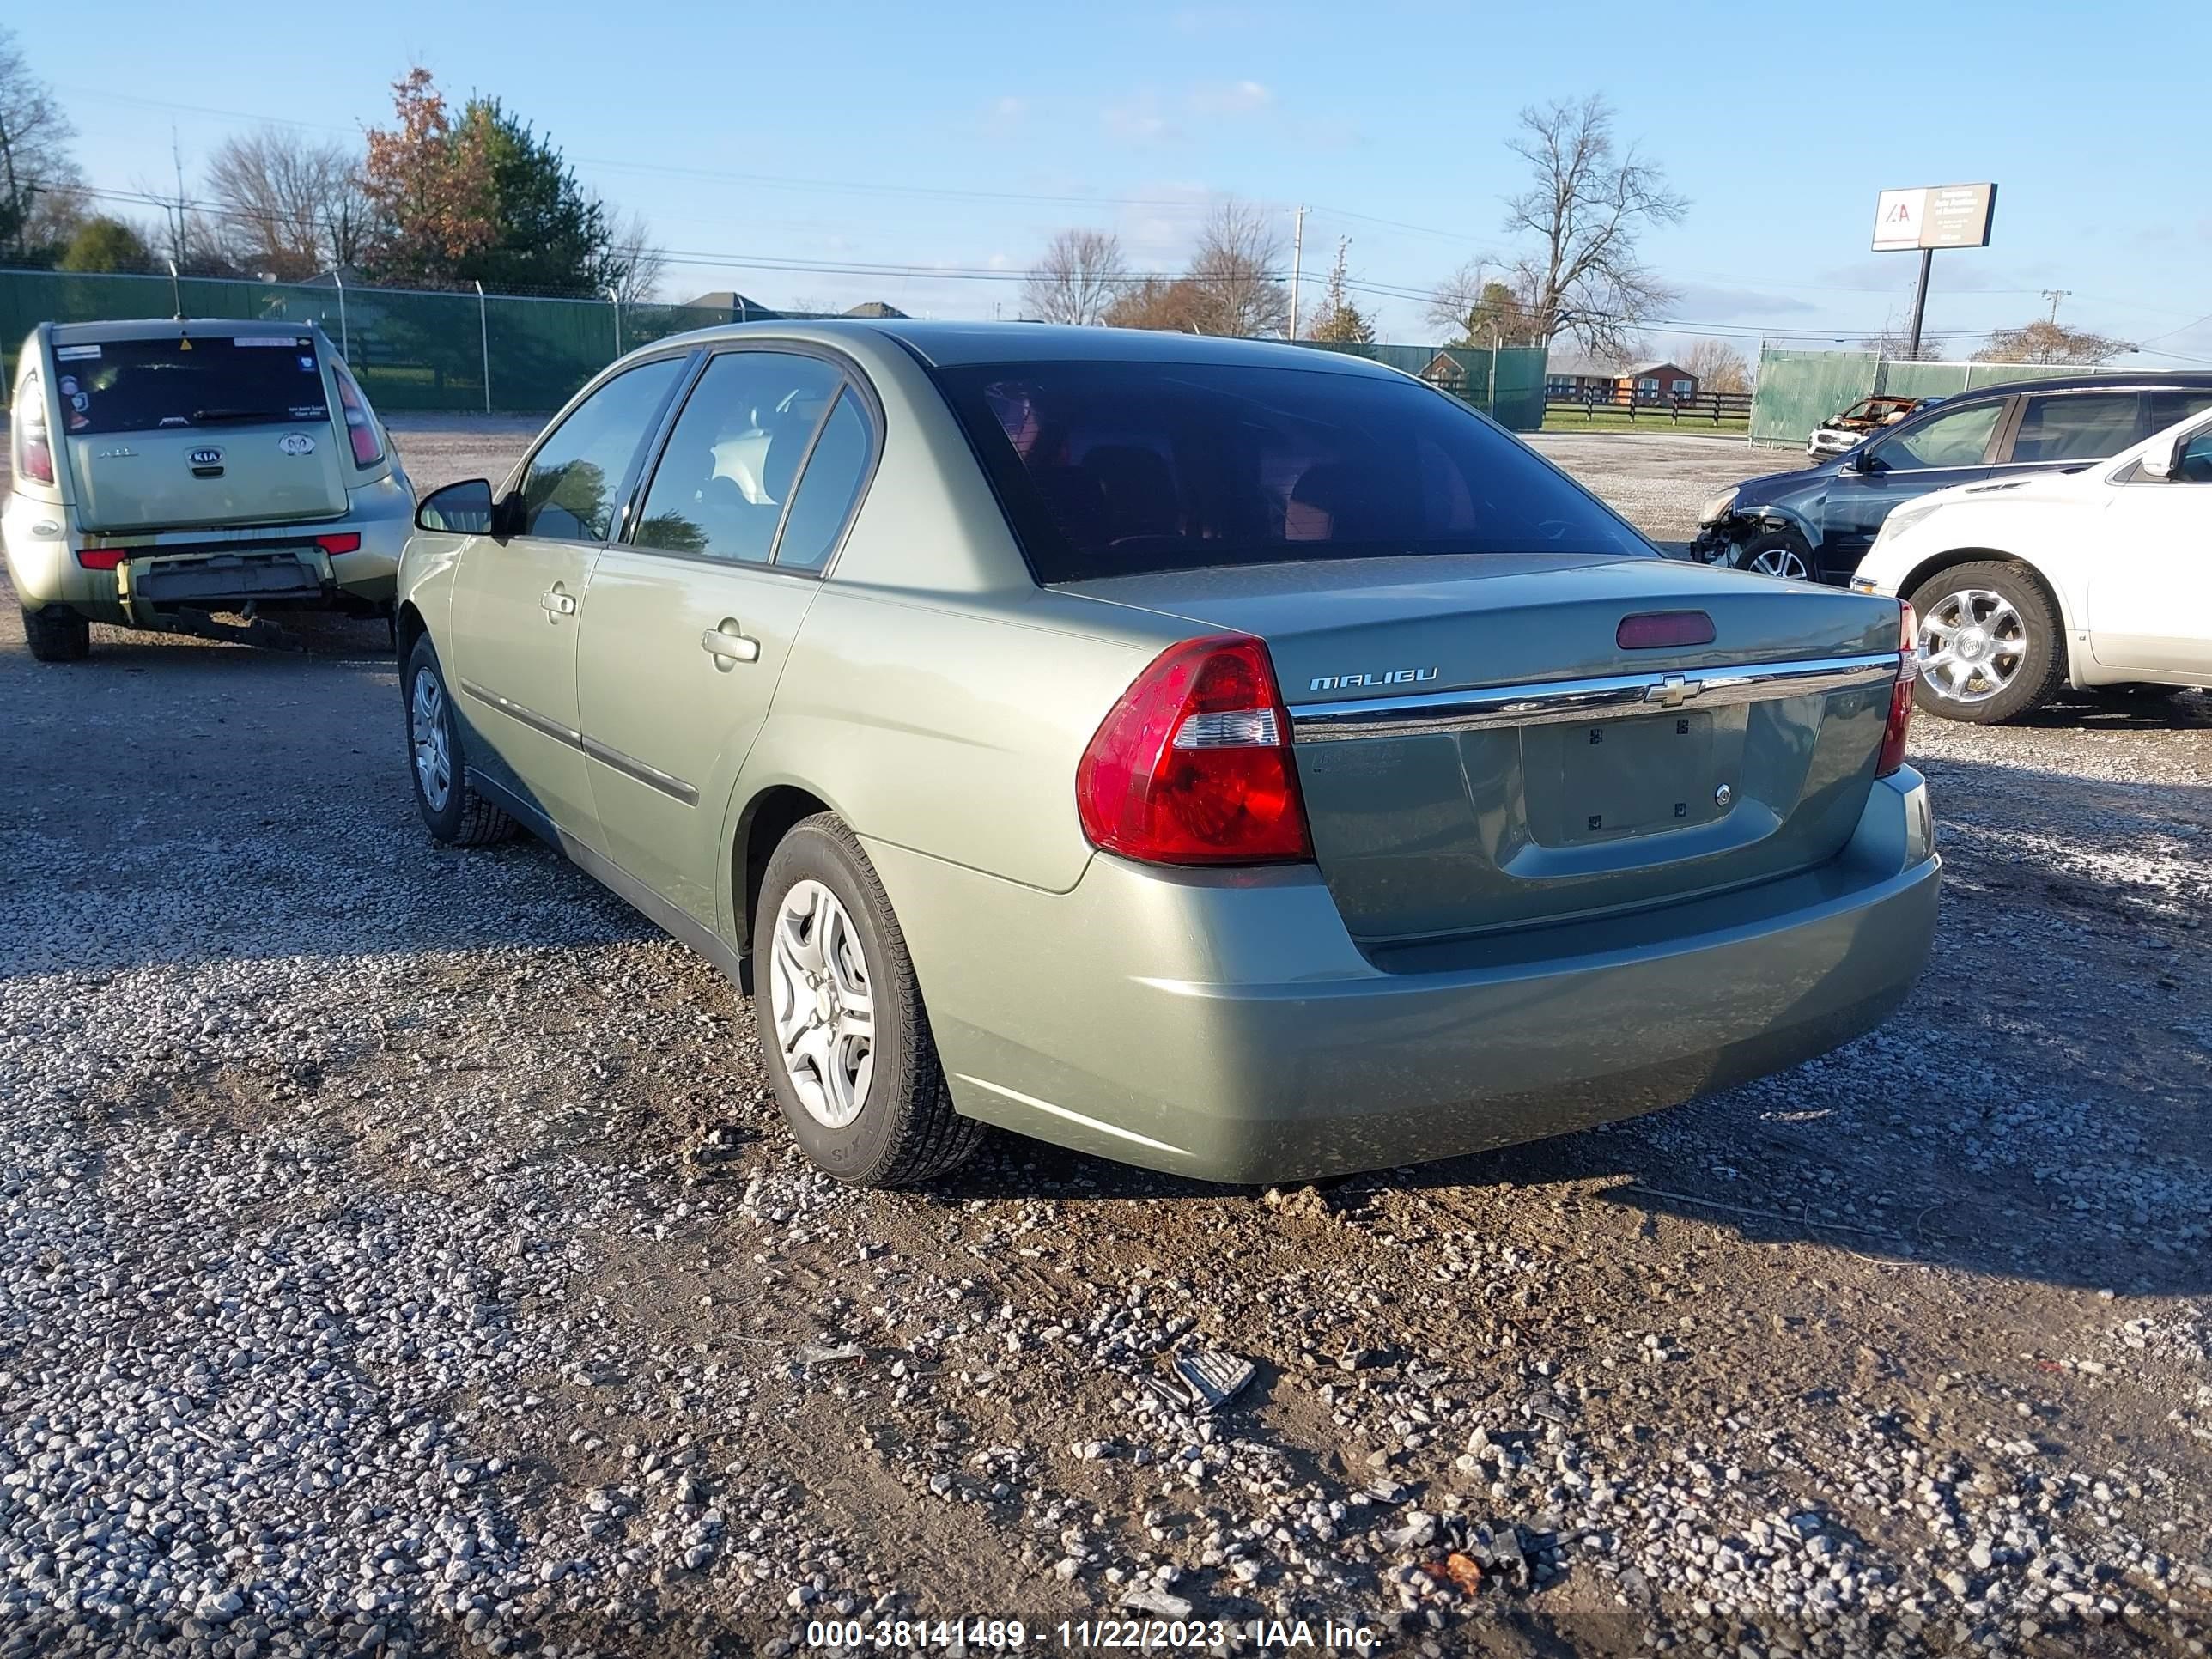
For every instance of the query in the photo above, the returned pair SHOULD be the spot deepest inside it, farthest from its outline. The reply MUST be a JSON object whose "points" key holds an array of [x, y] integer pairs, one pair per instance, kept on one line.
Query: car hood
{"points": [[1790, 486], [2022, 488]]}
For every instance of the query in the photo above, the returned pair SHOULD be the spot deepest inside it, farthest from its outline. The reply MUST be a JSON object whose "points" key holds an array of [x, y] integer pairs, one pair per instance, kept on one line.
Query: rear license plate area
{"points": [[208, 577], [1602, 780]]}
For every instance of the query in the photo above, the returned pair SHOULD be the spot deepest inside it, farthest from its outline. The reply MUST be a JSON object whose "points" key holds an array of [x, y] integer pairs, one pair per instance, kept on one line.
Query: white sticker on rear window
{"points": [[281, 342], [73, 354]]}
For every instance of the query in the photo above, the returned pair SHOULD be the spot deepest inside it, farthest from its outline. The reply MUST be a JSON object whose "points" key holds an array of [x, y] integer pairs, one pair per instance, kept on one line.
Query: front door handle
{"points": [[728, 645], [557, 603]]}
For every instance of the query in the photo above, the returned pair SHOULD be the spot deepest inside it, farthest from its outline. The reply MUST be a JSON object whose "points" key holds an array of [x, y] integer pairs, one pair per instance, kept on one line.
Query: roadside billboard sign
{"points": [[1934, 216]]}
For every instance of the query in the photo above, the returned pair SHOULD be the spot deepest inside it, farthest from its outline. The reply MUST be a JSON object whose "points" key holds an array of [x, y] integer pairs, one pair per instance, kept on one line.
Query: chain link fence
{"points": [[1799, 390], [420, 351]]}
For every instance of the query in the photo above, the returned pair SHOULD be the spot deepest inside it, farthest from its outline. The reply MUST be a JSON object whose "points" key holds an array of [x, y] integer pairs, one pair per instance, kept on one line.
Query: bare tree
{"points": [[289, 206], [1718, 366], [1337, 321], [1475, 305], [1175, 305], [2047, 340], [1080, 276], [1893, 340], [41, 189], [642, 260], [1585, 210], [1235, 272]]}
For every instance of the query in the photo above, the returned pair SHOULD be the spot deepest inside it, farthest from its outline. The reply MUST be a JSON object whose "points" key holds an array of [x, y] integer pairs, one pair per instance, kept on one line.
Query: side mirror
{"points": [[459, 509], [2162, 461], [1859, 461]]}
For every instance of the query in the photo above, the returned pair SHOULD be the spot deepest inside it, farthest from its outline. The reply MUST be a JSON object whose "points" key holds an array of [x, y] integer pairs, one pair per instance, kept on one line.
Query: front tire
{"points": [[1991, 648], [56, 633], [1779, 553], [841, 1019], [451, 811]]}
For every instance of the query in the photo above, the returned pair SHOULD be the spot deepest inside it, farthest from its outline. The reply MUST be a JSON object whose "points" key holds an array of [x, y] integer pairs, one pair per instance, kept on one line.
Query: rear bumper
{"points": [[1226, 1027]]}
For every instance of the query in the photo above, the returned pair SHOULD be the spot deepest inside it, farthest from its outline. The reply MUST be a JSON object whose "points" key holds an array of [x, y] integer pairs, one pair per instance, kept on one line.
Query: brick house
{"points": [[1572, 378]]}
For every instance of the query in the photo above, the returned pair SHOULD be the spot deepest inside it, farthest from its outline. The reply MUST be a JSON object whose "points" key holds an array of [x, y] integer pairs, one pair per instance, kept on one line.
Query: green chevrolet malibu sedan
{"points": [[1235, 759]]}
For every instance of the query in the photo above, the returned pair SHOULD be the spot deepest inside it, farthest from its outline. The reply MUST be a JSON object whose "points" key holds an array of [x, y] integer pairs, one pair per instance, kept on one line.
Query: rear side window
{"points": [[2083, 426], [177, 380], [1110, 469], [828, 487], [726, 475], [569, 493], [2164, 409]]}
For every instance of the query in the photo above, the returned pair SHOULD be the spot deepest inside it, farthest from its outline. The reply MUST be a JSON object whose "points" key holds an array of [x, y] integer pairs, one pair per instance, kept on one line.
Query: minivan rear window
{"points": [[1111, 469], [177, 380]]}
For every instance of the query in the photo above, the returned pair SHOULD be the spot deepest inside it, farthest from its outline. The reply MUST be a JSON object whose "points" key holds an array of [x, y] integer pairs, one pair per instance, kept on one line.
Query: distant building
{"points": [[741, 308], [1572, 377], [876, 308]]}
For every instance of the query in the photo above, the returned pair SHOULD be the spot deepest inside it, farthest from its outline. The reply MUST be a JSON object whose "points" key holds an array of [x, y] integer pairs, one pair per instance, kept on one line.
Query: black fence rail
{"points": [[1713, 407]]}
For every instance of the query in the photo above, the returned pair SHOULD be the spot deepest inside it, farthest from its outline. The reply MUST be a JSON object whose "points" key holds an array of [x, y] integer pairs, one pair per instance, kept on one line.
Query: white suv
{"points": [[167, 471], [2098, 577]]}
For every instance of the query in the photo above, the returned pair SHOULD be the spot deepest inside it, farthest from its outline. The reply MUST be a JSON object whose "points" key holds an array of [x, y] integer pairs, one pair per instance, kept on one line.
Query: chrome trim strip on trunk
{"points": [[628, 766], [1619, 696]]}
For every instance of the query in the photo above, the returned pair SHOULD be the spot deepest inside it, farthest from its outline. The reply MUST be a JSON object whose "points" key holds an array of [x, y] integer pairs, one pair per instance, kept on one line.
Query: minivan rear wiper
{"points": [[209, 417]]}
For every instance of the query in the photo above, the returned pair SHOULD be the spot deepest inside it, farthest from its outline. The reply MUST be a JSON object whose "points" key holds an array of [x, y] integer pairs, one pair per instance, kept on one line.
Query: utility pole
{"points": [[1298, 253], [2054, 295], [177, 158], [1920, 302]]}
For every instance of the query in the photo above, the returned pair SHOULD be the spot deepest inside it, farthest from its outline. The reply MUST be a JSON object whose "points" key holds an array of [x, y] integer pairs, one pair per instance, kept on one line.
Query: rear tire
{"points": [[56, 633], [868, 1102], [1990, 645], [1779, 553], [451, 811]]}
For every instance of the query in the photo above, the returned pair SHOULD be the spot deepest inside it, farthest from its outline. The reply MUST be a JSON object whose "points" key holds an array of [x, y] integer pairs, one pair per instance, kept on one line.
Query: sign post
{"points": [[1928, 217]]}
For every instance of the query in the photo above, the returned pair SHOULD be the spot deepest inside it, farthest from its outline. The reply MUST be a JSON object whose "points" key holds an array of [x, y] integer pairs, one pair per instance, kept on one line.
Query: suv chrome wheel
{"points": [[1780, 562], [1972, 641], [433, 755], [824, 1008]]}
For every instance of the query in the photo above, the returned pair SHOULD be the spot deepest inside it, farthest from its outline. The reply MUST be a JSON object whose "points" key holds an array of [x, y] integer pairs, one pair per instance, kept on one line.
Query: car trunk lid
{"points": [[1478, 749], [179, 431]]}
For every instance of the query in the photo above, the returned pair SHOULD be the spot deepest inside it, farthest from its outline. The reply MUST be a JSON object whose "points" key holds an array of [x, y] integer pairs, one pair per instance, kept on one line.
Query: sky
{"points": [[773, 148]]}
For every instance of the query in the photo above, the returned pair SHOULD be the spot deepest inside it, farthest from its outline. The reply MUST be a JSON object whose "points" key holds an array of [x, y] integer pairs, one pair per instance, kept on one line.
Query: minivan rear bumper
{"points": [[1224, 1025]]}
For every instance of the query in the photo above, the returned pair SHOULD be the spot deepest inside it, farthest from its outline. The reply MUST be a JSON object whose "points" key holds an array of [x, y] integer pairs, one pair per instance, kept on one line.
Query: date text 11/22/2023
{"points": [[1088, 1635]]}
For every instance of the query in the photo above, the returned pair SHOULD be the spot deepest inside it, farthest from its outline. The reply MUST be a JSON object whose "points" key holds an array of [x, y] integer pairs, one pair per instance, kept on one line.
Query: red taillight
{"points": [[1194, 764], [348, 543], [100, 558], [1900, 696], [360, 433], [35, 453], [38, 457]]}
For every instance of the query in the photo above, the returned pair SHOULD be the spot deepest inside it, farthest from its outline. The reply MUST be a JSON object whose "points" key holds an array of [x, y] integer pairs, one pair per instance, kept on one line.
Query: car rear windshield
{"points": [[176, 380], [1112, 469]]}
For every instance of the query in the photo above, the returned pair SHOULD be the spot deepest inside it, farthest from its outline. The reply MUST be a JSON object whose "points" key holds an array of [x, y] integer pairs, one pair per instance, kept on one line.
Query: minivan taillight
{"points": [[1900, 696], [361, 432], [35, 454], [1194, 765]]}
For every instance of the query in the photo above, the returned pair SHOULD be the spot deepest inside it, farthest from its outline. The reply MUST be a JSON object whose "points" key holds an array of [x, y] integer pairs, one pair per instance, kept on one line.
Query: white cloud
{"points": [[1229, 98]]}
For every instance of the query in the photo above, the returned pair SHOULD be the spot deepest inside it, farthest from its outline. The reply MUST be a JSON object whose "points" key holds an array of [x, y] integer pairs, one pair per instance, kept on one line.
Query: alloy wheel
{"points": [[1784, 561], [822, 1004], [433, 755], [1972, 643]]}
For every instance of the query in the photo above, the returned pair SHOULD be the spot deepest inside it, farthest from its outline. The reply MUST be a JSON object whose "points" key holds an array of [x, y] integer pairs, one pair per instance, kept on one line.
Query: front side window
{"points": [[2164, 409], [1110, 469], [2084, 426], [726, 475], [2194, 464], [1958, 437], [569, 493]]}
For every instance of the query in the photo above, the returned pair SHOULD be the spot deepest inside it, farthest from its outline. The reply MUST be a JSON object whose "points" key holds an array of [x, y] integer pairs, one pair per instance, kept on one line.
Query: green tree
{"points": [[428, 179], [105, 244], [548, 231], [1337, 321]]}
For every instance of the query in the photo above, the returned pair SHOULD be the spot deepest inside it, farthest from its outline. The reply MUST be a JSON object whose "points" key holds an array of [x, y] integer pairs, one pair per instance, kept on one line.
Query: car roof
{"points": [[155, 328], [2122, 380], [945, 344]]}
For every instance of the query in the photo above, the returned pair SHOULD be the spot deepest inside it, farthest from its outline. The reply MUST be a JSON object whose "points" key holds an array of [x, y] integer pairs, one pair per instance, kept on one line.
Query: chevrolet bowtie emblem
{"points": [[1672, 691]]}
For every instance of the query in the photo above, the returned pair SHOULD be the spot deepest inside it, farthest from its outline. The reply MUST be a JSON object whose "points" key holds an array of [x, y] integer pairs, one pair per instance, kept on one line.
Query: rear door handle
{"points": [[557, 603], [728, 645]]}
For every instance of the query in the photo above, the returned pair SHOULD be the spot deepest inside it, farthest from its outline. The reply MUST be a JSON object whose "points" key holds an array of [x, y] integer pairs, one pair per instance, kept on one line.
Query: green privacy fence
{"points": [[1506, 385], [1798, 390], [416, 350], [412, 349]]}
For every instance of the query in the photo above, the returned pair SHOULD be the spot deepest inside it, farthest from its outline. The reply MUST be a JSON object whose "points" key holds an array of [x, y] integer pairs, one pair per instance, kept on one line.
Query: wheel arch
{"points": [[1936, 563], [408, 626], [764, 822]]}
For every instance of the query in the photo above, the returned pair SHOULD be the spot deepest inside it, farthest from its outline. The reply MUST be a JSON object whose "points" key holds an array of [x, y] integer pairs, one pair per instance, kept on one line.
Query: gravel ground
{"points": [[401, 1248]]}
